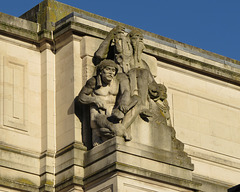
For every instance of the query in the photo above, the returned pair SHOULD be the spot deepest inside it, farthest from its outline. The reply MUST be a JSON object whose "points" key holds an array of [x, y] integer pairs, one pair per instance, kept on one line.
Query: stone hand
{"points": [[100, 104], [116, 30], [124, 108]]}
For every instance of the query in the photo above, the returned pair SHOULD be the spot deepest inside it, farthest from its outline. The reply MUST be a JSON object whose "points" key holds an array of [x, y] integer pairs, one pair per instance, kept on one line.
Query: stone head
{"points": [[157, 91], [119, 32], [162, 92], [107, 69], [136, 37]]}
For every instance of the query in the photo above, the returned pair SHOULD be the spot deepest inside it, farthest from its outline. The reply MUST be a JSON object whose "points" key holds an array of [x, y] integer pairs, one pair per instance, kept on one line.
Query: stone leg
{"points": [[114, 129], [96, 138], [142, 83]]}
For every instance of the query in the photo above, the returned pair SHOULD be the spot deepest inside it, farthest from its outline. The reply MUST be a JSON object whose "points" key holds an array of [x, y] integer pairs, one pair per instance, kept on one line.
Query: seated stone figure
{"points": [[124, 98], [140, 78], [126, 51], [101, 93], [117, 47]]}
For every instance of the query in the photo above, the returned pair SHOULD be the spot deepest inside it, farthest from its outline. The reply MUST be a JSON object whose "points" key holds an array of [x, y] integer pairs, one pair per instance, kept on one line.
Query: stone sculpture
{"points": [[123, 88], [101, 93], [161, 100]]}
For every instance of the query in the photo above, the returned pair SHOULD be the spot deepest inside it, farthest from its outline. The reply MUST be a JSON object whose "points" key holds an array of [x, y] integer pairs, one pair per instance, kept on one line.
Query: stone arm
{"points": [[126, 102], [86, 97], [153, 88], [104, 51], [104, 48]]}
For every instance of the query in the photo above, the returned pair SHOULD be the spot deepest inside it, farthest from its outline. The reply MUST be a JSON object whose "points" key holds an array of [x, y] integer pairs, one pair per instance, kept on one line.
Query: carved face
{"points": [[107, 74], [163, 93], [136, 40], [119, 33]]}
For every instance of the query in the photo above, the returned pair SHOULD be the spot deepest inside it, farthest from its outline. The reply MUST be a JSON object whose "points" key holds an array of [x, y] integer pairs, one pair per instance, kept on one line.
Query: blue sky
{"points": [[212, 25]]}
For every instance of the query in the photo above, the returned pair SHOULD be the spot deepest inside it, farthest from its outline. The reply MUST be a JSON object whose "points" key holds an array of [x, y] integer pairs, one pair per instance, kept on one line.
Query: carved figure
{"points": [[160, 98], [126, 51], [101, 93], [139, 75], [136, 40], [122, 88], [117, 47]]}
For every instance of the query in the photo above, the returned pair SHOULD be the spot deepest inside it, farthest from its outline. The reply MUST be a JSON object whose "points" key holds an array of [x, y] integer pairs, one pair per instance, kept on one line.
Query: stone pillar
{"points": [[47, 161], [69, 143]]}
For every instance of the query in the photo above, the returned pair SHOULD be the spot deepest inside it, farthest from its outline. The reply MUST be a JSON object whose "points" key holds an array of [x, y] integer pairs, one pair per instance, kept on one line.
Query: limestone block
{"points": [[64, 59], [215, 171], [92, 23], [20, 77], [89, 45], [64, 95], [19, 161], [64, 160], [88, 68], [215, 120], [78, 67], [65, 137], [15, 138], [108, 185], [74, 173], [21, 177], [4, 189], [72, 189], [134, 158], [66, 79], [154, 136], [15, 95], [152, 63], [122, 182]]}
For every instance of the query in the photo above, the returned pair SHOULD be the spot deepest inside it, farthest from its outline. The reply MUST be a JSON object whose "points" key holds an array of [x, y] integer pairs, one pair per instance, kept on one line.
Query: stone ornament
{"points": [[123, 88]]}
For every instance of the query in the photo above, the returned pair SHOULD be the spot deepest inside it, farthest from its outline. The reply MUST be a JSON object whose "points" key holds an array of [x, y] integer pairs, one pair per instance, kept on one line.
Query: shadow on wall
{"points": [[83, 113], [235, 189]]}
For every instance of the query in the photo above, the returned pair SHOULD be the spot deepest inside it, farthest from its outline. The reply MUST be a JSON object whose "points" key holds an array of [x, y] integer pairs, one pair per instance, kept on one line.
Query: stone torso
{"points": [[108, 94]]}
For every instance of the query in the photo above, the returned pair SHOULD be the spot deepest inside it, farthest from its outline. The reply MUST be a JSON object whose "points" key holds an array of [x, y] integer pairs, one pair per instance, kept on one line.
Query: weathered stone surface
{"points": [[125, 182], [137, 159], [52, 54]]}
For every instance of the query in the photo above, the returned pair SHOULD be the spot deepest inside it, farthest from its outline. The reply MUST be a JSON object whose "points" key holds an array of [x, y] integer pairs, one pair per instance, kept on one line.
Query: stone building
{"points": [[46, 57]]}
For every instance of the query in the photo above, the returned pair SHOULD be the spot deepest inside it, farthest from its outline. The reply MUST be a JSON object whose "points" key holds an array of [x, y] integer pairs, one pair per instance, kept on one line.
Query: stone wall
{"points": [[45, 140]]}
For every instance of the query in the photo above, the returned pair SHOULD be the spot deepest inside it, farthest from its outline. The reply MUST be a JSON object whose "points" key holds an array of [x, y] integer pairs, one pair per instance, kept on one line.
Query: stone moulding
{"points": [[27, 186], [115, 155], [35, 170], [30, 32], [227, 71]]}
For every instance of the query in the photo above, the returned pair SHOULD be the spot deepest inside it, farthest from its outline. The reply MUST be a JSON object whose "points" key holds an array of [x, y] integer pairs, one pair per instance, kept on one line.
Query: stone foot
{"points": [[106, 132]]}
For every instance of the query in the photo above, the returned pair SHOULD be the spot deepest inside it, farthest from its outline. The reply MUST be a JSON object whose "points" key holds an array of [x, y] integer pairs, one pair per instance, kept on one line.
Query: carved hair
{"points": [[162, 87], [135, 32], [106, 63]]}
